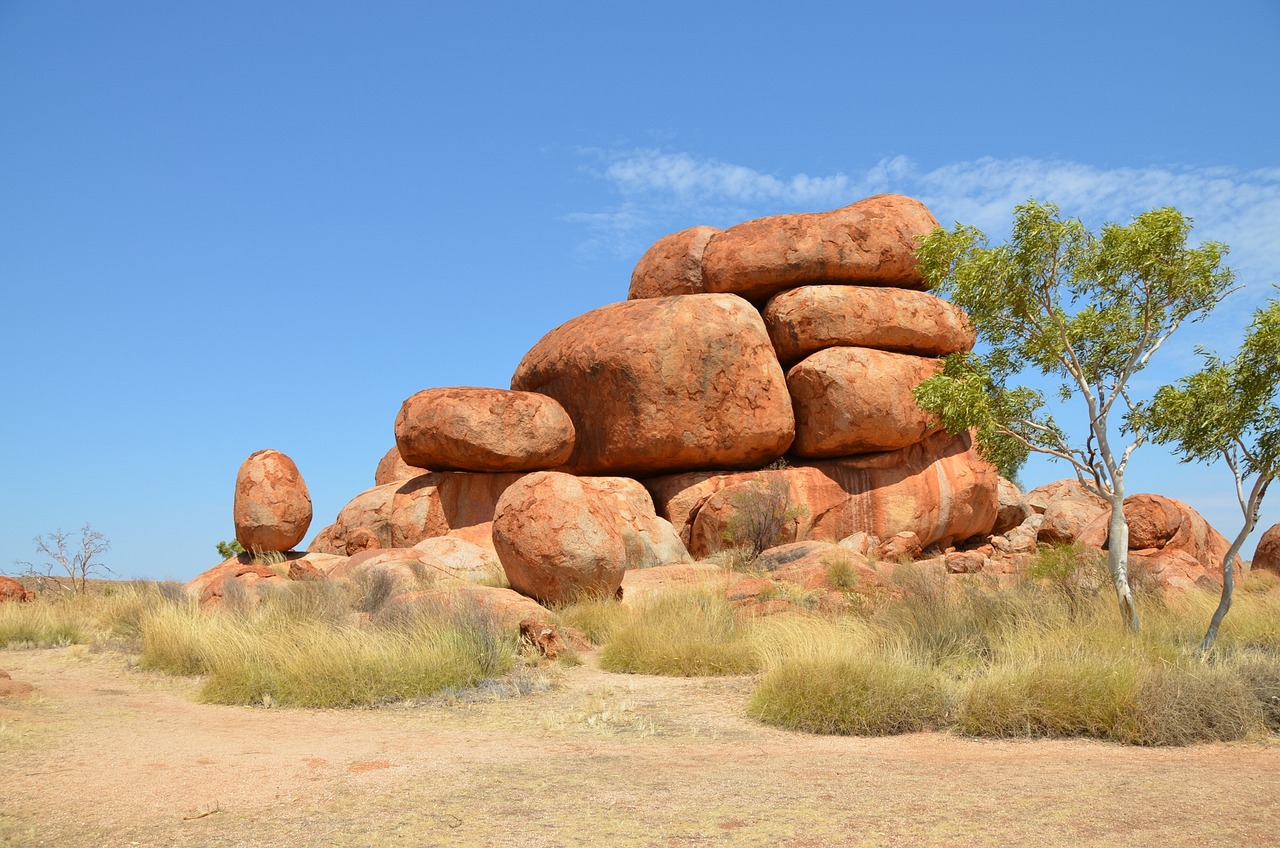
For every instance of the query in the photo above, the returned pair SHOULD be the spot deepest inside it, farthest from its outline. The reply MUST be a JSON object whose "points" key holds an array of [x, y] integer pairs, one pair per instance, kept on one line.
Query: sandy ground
{"points": [[105, 755]]}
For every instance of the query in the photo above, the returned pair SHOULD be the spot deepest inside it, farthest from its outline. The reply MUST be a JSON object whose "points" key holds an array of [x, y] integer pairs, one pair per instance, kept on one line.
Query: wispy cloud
{"points": [[665, 191]]}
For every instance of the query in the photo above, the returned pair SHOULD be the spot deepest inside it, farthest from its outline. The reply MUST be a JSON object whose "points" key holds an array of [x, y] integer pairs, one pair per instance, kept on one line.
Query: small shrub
{"points": [[1259, 673], [372, 589], [841, 572], [1080, 696], [1075, 572], [761, 512], [1188, 703], [41, 624], [1258, 582]]}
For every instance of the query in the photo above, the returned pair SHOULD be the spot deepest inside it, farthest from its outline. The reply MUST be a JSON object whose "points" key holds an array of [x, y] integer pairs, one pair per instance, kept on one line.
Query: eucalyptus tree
{"points": [[1227, 411], [1087, 309]]}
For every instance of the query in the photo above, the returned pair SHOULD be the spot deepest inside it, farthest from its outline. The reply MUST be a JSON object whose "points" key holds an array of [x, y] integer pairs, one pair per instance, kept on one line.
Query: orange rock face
{"points": [[11, 590], [871, 242], [1167, 538], [853, 400], [475, 429], [1068, 508], [805, 320], [672, 266], [1267, 554], [670, 384], [272, 506], [559, 539], [393, 469], [399, 515], [940, 489]]}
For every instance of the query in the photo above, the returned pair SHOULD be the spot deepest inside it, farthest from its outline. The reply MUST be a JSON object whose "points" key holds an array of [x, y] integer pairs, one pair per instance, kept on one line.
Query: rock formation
{"points": [[680, 388]]}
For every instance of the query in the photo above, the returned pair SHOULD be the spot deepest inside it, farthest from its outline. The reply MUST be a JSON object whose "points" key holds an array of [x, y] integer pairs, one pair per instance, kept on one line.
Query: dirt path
{"points": [[103, 755]]}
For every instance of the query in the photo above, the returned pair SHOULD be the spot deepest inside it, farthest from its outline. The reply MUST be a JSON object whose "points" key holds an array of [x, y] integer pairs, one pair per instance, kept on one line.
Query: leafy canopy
{"points": [[1089, 309], [1226, 409]]}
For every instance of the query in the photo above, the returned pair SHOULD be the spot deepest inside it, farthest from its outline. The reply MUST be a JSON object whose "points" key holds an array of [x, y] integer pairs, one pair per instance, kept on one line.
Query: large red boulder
{"points": [[650, 540], [940, 489], [672, 266], [1267, 554], [805, 320], [852, 400], [399, 515], [559, 539], [663, 385], [272, 506], [871, 242], [1013, 509], [476, 429]]}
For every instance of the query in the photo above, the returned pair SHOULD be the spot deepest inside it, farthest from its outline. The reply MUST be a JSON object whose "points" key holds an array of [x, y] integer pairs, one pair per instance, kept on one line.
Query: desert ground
{"points": [[102, 754]]}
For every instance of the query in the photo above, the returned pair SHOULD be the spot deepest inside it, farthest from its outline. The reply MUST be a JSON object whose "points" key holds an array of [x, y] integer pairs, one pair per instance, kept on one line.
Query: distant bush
{"points": [[760, 513]]}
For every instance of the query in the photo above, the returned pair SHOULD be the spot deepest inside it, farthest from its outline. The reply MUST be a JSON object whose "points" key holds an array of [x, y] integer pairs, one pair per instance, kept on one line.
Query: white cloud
{"points": [[663, 192]]}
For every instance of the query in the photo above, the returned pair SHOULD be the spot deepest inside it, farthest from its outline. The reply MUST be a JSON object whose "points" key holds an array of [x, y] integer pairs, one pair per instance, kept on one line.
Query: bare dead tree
{"points": [[62, 554]]}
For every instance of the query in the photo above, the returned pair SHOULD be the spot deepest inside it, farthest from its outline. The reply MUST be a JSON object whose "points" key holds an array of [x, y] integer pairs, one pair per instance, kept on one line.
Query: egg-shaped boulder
{"points": [[665, 384], [478, 429], [272, 508]]}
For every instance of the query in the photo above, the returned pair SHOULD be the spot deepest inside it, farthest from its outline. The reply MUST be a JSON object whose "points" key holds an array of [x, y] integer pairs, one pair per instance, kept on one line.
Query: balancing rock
{"points": [[272, 507]]}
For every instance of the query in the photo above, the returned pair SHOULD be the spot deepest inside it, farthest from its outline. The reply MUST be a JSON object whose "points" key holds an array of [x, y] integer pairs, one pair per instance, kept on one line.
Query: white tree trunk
{"points": [[1118, 560]]}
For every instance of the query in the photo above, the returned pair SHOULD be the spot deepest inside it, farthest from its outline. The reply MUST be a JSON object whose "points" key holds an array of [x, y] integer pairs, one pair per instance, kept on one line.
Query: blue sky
{"points": [[229, 226]]}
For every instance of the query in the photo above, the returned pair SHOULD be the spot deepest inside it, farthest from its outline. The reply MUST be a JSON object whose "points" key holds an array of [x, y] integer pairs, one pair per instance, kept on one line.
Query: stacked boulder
{"points": [[782, 352], [842, 307]]}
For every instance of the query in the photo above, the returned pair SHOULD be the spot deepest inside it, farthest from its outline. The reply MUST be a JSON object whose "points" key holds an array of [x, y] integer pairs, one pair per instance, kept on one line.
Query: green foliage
{"points": [[1227, 410], [1089, 309], [227, 550]]}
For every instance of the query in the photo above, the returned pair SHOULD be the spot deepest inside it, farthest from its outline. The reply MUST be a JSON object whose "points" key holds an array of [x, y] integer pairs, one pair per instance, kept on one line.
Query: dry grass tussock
{"points": [[1039, 660], [1047, 658], [311, 644]]}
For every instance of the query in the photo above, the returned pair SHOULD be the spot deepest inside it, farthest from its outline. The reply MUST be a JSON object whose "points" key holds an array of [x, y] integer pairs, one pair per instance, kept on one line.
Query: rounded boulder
{"points": [[272, 508], [489, 430], [672, 266], [559, 539], [853, 400], [663, 385], [805, 320]]}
